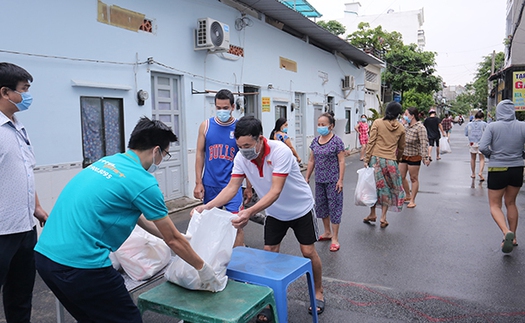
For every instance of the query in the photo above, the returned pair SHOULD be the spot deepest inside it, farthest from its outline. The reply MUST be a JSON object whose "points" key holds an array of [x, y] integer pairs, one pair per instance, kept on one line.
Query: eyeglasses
{"points": [[167, 156]]}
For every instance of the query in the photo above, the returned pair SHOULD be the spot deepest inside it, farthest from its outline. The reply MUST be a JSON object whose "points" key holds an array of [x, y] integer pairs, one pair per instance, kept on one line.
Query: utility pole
{"points": [[490, 84]]}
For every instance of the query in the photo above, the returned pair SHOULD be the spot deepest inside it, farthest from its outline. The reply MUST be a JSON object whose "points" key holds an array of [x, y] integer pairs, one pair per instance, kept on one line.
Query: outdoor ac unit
{"points": [[348, 82], [212, 35]]}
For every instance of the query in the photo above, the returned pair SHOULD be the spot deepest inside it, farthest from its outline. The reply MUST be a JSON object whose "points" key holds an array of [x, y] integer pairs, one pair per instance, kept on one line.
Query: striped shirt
{"points": [[416, 140]]}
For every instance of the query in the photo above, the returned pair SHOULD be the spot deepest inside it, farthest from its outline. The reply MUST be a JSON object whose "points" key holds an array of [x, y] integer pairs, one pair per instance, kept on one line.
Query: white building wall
{"points": [[407, 23], [61, 42]]}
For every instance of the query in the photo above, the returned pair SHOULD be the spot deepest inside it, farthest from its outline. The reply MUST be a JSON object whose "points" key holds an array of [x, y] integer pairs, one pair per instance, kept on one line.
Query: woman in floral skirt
{"points": [[383, 152]]}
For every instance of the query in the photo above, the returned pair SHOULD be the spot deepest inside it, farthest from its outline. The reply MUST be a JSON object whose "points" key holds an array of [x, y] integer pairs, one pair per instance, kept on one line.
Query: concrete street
{"points": [[438, 262]]}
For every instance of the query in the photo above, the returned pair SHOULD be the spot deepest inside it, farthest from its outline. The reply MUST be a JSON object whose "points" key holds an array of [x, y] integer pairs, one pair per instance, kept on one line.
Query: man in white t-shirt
{"points": [[276, 177]]}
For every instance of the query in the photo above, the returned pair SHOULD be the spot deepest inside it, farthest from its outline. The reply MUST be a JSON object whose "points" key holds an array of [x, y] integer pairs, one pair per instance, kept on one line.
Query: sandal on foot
{"points": [[367, 220], [481, 178], [411, 205], [384, 224], [407, 199], [320, 307], [265, 316], [321, 238], [334, 247], [507, 245]]}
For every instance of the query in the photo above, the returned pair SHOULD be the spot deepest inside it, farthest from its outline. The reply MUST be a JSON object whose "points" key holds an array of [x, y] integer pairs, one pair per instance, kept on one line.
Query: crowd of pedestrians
{"points": [[72, 253]]}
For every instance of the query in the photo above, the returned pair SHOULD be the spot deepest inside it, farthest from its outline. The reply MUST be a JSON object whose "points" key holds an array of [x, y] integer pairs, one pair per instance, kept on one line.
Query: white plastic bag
{"points": [[212, 237], [143, 255], [444, 145], [365, 190]]}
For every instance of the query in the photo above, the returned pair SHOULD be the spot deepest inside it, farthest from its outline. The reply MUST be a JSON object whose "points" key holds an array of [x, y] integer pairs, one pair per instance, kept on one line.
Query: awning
{"points": [[300, 26], [303, 7]]}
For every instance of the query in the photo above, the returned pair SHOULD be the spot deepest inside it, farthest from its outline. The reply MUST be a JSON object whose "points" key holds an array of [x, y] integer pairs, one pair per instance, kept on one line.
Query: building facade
{"points": [[98, 66]]}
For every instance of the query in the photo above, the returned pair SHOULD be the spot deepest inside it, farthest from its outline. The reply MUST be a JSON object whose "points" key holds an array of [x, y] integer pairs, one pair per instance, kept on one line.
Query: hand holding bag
{"points": [[212, 237], [444, 145], [365, 190]]}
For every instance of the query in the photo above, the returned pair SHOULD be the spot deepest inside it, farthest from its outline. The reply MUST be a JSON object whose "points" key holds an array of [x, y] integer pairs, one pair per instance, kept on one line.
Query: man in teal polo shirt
{"points": [[95, 214]]}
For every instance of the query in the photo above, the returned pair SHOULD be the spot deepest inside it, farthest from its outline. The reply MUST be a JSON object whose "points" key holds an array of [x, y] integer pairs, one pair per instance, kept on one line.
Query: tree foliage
{"points": [[376, 39], [422, 101], [475, 96], [409, 68], [335, 27]]}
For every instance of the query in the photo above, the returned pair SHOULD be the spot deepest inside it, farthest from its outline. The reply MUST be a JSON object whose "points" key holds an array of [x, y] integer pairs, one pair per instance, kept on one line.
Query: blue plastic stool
{"points": [[275, 270]]}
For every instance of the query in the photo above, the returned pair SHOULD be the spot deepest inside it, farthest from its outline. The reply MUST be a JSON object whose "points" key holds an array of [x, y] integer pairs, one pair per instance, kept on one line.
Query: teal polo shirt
{"points": [[97, 210]]}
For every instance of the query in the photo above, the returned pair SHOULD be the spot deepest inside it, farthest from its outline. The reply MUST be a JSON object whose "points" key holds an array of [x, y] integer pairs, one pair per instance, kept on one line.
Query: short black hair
{"points": [[224, 95], [393, 110], [11, 75], [248, 126], [151, 133]]}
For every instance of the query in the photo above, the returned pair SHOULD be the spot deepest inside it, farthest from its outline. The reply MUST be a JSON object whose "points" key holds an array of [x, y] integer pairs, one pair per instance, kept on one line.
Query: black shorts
{"points": [[431, 142], [304, 228], [411, 163], [501, 177]]}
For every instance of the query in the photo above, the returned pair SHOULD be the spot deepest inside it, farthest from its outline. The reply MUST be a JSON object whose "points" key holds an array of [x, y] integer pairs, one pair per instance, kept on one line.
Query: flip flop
{"points": [[507, 242], [367, 220], [334, 247], [266, 314], [411, 205], [320, 306], [324, 238]]}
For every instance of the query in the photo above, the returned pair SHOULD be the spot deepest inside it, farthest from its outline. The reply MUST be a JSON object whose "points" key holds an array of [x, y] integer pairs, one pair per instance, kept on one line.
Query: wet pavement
{"points": [[438, 262]]}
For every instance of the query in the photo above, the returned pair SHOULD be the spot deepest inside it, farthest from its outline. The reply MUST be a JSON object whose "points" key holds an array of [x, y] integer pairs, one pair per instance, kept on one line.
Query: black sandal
{"points": [[265, 316], [320, 307]]}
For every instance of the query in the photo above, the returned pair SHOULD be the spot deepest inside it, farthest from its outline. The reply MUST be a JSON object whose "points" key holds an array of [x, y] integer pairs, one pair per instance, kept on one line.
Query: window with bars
{"points": [[102, 128]]}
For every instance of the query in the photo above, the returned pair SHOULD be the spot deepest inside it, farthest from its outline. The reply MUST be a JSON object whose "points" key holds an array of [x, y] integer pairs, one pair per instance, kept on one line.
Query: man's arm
{"points": [[40, 213], [200, 154], [224, 196], [178, 243], [263, 203]]}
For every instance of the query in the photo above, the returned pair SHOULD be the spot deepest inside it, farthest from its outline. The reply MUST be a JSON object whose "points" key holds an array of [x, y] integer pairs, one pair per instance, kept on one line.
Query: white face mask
{"points": [[154, 167]]}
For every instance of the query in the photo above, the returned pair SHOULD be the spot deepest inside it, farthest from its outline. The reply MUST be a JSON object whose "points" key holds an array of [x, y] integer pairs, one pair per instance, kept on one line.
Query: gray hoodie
{"points": [[503, 140]]}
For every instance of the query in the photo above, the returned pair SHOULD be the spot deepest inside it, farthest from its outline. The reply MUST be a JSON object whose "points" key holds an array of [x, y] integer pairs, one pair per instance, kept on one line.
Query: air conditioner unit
{"points": [[212, 35], [348, 83]]}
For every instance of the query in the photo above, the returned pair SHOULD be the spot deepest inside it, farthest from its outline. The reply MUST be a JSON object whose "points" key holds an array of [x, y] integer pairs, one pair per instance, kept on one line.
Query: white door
{"points": [[299, 128], [167, 108]]}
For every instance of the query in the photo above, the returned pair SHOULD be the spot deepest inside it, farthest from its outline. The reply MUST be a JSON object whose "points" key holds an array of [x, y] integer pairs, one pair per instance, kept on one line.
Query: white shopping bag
{"points": [[444, 145], [143, 255], [212, 238], [365, 190]]}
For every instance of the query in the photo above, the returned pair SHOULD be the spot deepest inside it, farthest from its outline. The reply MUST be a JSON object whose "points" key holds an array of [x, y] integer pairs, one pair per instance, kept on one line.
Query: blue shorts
{"points": [[234, 205]]}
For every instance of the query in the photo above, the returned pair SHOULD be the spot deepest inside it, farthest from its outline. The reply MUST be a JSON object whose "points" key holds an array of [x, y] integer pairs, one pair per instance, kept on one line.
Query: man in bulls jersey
{"points": [[216, 149]]}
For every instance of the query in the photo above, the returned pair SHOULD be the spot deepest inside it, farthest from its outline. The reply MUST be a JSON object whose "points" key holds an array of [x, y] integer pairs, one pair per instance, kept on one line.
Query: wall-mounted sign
{"points": [[265, 104], [518, 90]]}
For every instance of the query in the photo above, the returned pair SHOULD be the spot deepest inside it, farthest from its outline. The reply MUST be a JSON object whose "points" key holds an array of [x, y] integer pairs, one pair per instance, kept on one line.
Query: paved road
{"points": [[438, 262]]}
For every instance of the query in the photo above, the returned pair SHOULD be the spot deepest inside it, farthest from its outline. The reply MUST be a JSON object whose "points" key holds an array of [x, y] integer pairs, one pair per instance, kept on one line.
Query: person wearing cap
{"points": [[434, 132], [384, 150]]}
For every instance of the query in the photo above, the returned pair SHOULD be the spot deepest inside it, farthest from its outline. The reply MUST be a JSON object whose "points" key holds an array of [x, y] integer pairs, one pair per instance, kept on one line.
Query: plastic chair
{"points": [[275, 270], [238, 302]]}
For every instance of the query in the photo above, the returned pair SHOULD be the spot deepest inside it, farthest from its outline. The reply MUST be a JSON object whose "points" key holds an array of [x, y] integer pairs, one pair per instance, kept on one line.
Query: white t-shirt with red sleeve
{"points": [[296, 197]]}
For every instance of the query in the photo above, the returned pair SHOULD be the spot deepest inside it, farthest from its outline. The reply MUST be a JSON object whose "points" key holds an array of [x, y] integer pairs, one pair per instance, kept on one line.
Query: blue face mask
{"points": [[363, 119], [223, 115], [407, 119], [285, 130], [27, 99], [323, 131]]}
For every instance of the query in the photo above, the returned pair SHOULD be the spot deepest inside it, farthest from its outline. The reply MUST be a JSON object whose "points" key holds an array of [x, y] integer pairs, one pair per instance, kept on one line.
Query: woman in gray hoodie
{"points": [[502, 143]]}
